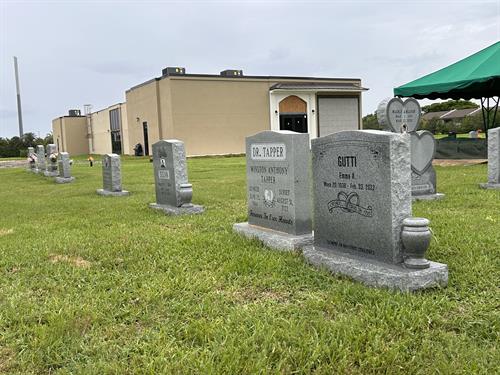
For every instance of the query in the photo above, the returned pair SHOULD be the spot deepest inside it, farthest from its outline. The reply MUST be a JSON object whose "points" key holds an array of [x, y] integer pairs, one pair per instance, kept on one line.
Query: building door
{"points": [[146, 139], [115, 127], [296, 122], [336, 114], [116, 142], [293, 114]]}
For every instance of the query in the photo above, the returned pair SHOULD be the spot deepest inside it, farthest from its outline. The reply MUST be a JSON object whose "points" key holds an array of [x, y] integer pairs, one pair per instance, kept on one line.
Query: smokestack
{"points": [[18, 91]]}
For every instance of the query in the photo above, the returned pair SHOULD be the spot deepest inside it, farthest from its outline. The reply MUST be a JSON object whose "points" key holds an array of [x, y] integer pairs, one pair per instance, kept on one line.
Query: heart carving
{"points": [[423, 146], [392, 113]]}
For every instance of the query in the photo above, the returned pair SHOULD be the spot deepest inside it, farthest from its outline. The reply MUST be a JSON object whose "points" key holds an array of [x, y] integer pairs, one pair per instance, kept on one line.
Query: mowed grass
{"points": [[103, 285]]}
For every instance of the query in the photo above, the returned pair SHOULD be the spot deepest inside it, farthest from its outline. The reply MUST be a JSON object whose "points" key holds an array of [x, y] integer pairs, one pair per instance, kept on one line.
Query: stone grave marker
{"points": [[111, 176], [362, 197], [173, 191], [40, 159], [493, 160], [64, 169], [423, 175], [278, 190], [392, 115], [51, 162], [31, 160]]}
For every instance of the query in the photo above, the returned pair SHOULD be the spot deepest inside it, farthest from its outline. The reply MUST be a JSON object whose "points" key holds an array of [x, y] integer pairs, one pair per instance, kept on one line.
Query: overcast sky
{"points": [[76, 52]]}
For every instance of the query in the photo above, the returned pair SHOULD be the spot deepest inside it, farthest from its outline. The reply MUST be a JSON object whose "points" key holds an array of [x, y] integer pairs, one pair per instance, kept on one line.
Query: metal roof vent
{"points": [[173, 71], [231, 73], [74, 112]]}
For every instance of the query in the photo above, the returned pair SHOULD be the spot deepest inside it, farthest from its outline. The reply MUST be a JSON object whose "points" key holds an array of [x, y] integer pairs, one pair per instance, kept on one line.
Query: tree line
{"points": [[18, 146]]}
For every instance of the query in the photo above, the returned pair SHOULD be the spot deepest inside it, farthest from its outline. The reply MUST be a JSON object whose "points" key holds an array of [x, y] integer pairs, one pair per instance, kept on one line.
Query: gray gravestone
{"points": [[493, 160], [173, 191], [362, 194], [111, 176], [31, 160], [278, 190], [394, 114], [64, 169], [40, 159], [51, 162], [423, 175]]}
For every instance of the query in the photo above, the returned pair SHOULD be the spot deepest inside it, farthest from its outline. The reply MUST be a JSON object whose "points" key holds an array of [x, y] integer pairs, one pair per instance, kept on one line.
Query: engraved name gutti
{"points": [[348, 199]]}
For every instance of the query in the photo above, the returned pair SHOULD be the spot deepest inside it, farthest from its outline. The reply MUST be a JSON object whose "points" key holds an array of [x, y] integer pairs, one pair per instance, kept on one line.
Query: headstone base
{"points": [[191, 209], [64, 180], [274, 239], [427, 197], [490, 186], [108, 193], [51, 174], [375, 273]]}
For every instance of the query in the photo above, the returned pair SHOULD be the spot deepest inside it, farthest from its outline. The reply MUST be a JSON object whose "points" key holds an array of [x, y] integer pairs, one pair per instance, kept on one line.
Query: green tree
{"points": [[48, 139], [370, 122], [449, 105], [433, 125]]}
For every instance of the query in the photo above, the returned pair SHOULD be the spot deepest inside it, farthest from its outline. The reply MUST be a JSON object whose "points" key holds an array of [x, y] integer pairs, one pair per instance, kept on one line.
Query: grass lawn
{"points": [[103, 285]]}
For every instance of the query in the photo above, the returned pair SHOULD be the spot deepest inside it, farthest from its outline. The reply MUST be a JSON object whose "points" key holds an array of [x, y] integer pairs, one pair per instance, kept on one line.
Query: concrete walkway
{"points": [[13, 163]]}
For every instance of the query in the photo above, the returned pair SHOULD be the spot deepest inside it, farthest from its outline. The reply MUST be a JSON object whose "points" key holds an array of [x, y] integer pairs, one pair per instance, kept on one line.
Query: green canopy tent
{"points": [[476, 76]]}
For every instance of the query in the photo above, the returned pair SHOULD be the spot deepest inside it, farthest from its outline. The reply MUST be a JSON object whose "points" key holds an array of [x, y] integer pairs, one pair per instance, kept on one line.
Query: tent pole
{"points": [[496, 110], [485, 124], [488, 112]]}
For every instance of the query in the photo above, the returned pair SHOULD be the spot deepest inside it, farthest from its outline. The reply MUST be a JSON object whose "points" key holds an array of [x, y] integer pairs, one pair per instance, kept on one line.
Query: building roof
{"points": [[337, 86], [432, 115], [244, 77], [458, 113], [451, 115]]}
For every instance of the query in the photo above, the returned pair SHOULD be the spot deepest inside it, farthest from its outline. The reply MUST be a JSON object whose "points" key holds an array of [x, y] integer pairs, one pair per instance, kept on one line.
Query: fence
{"points": [[461, 148]]}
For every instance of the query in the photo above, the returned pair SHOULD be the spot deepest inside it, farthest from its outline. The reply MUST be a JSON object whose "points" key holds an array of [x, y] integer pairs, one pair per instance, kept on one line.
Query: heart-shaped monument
{"points": [[392, 113], [423, 146]]}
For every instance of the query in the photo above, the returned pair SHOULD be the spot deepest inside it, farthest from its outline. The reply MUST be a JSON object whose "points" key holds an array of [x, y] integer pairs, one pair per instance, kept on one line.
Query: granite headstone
{"points": [[31, 159], [396, 115], [493, 160], [64, 169], [392, 113], [362, 195], [40, 159], [278, 190], [173, 190], [111, 176], [51, 162]]}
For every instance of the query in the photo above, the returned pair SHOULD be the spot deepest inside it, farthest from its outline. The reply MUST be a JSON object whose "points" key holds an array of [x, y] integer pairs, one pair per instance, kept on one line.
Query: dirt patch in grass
{"points": [[251, 295], [75, 261], [6, 358], [4, 232], [455, 162]]}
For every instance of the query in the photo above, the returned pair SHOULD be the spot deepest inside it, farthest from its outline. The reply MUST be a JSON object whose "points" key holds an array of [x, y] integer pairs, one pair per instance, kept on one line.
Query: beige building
{"points": [[213, 114]]}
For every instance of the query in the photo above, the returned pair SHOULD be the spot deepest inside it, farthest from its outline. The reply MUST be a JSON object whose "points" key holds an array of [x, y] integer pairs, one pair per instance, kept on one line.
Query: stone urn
{"points": [[416, 238], [186, 194]]}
